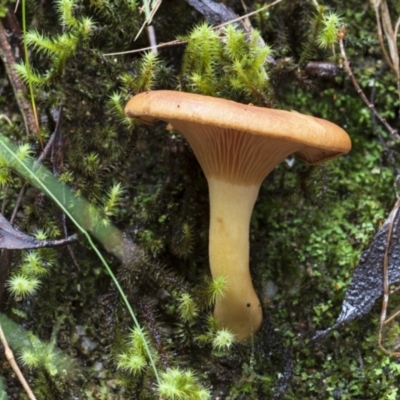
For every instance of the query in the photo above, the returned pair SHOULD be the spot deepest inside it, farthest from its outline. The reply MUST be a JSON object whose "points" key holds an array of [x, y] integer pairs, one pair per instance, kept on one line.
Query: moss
{"points": [[308, 229]]}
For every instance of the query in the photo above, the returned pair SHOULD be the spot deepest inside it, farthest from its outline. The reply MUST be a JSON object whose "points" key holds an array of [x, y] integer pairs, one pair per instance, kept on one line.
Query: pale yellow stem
{"points": [[231, 207]]}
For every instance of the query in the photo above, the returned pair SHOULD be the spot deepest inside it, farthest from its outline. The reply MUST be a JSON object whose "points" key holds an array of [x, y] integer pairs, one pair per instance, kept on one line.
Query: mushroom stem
{"points": [[231, 206]]}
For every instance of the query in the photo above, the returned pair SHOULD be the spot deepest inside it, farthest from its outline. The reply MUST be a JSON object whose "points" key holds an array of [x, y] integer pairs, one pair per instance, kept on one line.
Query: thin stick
{"points": [[390, 38], [392, 317], [168, 44], [346, 64], [396, 289], [18, 86], [149, 15], [385, 299], [396, 28], [10, 357], [385, 26], [380, 37]]}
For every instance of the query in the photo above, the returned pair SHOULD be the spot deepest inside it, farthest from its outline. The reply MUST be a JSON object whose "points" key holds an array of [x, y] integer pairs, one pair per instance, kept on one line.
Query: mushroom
{"points": [[237, 146]]}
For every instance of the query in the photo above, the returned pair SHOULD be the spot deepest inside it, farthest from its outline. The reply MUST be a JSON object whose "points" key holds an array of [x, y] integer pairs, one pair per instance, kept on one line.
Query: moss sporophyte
{"points": [[237, 146]]}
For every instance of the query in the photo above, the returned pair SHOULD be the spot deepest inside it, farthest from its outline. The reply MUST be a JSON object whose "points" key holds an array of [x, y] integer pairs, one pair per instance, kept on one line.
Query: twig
{"points": [[159, 46], [346, 64], [45, 151], [57, 159], [385, 299], [393, 316], [149, 15], [17, 84], [392, 58], [396, 28], [17, 204], [394, 290], [390, 37], [10, 357], [390, 153], [380, 37]]}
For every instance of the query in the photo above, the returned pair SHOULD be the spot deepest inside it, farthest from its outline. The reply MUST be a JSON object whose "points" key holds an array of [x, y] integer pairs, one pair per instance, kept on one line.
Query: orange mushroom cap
{"points": [[320, 140]]}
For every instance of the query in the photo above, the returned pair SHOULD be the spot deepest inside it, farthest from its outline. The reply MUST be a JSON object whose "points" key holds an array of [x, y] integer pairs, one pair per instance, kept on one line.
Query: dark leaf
{"points": [[214, 13], [13, 239], [367, 283]]}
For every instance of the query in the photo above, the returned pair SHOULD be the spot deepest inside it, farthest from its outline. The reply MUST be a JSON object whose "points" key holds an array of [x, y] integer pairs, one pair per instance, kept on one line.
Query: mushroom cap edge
{"points": [[322, 139]]}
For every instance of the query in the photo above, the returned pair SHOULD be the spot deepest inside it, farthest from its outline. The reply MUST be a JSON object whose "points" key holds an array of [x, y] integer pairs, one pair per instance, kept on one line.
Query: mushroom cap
{"points": [[316, 140]]}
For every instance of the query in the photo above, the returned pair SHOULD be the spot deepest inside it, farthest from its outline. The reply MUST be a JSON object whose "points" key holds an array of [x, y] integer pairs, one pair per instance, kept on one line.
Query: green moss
{"points": [[309, 226]]}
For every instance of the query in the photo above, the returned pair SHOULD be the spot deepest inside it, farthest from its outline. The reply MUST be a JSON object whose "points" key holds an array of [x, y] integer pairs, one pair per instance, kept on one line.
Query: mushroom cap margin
{"points": [[322, 139]]}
